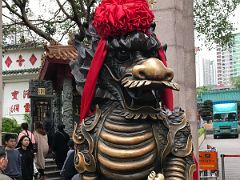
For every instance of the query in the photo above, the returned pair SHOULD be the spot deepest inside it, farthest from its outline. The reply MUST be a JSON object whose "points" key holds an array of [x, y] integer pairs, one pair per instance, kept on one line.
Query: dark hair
{"points": [[61, 126], [38, 125], [24, 126], [30, 146], [70, 143], [39, 128], [2, 151], [7, 137]]}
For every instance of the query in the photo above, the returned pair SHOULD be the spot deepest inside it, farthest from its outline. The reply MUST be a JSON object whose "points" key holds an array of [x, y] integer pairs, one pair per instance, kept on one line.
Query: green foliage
{"points": [[203, 89], [236, 81], [27, 118], [201, 131], [10, 125], [211, 18]]}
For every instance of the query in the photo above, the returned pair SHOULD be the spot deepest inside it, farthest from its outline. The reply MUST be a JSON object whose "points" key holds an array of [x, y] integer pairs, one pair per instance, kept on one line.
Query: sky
{"points": [[211, 54], [236, 19]]}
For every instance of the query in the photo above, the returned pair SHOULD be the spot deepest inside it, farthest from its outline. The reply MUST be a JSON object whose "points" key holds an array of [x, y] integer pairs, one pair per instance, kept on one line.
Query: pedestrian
{"points": [[49, 128], [42, 142], [3, 164], [26, 132], [13, 169], [27, 157], [60, 147], [68, 169]]}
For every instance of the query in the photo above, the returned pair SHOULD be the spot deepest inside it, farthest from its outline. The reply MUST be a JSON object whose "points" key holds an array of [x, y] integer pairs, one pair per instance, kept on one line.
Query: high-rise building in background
{"points": [[205, 67], [209, 72], [228, 62]]}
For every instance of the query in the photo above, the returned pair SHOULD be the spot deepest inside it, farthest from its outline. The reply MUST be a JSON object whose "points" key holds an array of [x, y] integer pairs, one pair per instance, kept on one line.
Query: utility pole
{"points": [[1, 82]]}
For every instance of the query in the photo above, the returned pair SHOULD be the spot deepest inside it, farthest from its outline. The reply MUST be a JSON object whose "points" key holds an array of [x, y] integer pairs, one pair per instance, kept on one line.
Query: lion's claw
{"points": [[154, 176]]}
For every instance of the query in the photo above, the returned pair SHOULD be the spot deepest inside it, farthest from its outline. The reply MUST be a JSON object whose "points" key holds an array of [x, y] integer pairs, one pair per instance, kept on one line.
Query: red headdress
{"points": [[114, 18]]}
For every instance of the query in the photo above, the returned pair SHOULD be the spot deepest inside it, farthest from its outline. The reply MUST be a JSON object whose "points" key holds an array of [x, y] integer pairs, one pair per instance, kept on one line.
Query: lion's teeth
{"points": [[125, 80], [140, 83], [147, 83], [134, 84], [137, 116], [128, 83]]}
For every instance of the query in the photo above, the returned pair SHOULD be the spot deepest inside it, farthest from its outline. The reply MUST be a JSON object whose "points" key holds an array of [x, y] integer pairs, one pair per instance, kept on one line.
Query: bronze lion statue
{"points": [[130, 132]]}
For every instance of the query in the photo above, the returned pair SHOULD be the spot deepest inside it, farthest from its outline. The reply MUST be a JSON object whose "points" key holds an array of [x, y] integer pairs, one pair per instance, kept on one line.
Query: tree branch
{"points": [[63, 10], [76, 15]]}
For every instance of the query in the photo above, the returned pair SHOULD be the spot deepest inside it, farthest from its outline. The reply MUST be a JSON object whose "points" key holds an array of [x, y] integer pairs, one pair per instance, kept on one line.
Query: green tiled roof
{"points": [[21, 71], [25, 45], [220, 95]]}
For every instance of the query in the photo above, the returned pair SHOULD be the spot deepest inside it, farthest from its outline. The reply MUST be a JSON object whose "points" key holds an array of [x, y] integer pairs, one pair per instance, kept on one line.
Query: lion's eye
{"points": [[123, 55]]}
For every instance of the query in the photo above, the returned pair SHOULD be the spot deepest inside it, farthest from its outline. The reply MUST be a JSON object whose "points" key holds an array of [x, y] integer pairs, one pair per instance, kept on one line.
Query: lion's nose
{"points": [[152, 69]]}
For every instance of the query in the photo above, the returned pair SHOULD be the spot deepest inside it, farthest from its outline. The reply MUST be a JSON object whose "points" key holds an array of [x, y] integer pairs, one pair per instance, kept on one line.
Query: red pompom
{"points": [[118, 17]]}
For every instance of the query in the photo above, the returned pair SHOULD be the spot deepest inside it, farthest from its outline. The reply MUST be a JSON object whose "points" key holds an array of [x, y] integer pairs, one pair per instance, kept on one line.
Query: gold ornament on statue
{"points": [[152, 3]]}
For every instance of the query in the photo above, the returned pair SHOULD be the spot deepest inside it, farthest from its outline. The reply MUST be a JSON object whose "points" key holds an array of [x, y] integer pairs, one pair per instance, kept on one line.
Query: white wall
{"points": [[26, 55], [16, 100]]}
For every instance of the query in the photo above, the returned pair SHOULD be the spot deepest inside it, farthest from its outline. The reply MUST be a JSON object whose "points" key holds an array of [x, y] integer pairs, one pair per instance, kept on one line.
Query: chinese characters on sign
{"points": [[208, 160], [16, 105]]}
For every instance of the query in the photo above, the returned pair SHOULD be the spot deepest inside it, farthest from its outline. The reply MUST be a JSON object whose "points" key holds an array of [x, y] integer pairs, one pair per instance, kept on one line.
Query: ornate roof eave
{"points": [[56, 53]]}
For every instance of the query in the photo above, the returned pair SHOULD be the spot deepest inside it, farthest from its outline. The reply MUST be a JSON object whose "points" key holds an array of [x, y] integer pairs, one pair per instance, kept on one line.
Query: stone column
{"points": [[1, 87], [57, 101], [174, 19], [67, 105]]}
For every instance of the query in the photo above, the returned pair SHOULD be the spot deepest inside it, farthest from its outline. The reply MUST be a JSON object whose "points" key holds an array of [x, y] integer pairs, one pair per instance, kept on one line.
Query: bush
{"points": [[10, 125]]}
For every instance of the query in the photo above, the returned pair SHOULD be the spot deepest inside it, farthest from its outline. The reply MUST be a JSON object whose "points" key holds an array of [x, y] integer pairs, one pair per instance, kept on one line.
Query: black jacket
{"points": [[27, 157]]}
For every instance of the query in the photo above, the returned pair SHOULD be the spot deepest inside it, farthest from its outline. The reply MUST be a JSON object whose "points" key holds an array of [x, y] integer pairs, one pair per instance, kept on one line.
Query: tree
{"points": [[66, 16], [211, 18], [236, 81], [203, 89], [10, 125]]}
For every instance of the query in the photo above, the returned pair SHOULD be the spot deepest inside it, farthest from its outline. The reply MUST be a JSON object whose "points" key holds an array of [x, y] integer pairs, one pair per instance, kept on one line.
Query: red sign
{"points": [[208, 160]]}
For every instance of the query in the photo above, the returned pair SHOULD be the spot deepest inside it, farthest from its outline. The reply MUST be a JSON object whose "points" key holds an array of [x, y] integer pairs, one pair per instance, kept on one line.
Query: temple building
{"points": [[37, 80], [19, 65]]}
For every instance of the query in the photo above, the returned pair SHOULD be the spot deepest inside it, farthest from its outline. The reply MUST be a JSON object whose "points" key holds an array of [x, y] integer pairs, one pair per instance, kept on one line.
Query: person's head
{"points": [[70, 144], [39, 128], [3, 158], [24, 142], [61, 127], [10, 141], [38, 125], [24, 126]]}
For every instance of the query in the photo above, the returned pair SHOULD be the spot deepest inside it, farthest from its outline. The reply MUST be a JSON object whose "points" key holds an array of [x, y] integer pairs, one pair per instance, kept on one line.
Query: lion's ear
{"points": [[165, 47], [152, 27]]}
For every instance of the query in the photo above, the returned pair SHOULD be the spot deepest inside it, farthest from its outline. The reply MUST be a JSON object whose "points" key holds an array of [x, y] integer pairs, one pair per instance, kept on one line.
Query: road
{"points": [[228, 146]]}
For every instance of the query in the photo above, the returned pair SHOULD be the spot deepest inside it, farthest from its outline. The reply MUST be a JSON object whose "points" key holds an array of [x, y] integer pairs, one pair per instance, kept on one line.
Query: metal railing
{"points": [[222, 161]]}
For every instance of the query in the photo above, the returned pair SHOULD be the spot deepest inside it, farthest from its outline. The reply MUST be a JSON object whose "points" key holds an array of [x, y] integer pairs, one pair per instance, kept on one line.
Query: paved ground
{"points": [[226, 146]]}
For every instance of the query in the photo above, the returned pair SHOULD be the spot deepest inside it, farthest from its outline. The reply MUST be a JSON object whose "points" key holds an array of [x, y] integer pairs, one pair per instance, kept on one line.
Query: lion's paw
{"points": [[154, 176]]}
